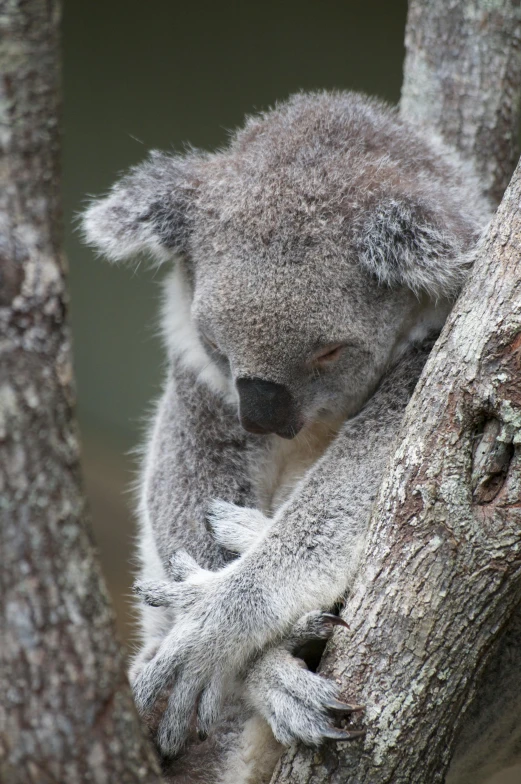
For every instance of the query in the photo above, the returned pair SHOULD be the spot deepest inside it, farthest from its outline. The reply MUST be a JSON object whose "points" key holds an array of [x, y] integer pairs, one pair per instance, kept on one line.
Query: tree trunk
{"points": [[441, 575], [440, 578], [66, 711], [462, 78]]}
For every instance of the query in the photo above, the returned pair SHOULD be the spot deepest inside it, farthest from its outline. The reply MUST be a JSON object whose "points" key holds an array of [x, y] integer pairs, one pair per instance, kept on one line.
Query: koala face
{"points": [[314, 246], [299, 342]]}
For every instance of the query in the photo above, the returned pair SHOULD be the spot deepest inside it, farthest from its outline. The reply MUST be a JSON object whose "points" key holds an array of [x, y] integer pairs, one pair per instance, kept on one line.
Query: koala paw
{"points": [[163, 593], [236, 528], [207, 645], [298, 704], [316, 625]]}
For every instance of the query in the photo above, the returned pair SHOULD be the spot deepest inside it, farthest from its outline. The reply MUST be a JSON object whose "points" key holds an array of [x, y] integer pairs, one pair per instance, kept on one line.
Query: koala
{"points": [[313, 262]]}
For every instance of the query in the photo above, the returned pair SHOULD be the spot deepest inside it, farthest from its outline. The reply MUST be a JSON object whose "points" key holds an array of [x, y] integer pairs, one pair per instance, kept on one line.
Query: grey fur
{"points": [[326, 222]]}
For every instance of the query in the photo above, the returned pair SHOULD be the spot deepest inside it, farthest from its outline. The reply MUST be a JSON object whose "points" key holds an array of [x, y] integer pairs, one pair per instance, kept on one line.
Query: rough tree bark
{"points": [[440, 578], [66, 712], [462, 78], [441, 575]]}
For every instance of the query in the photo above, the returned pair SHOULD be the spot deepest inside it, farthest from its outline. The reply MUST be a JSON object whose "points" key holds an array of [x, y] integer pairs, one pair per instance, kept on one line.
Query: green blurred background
{"points": [[157, 75]]}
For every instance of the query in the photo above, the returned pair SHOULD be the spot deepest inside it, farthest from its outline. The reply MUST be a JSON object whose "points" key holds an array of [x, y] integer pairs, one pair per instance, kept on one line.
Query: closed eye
{"points": [[329, 354], [215, 353], [210, 343]]}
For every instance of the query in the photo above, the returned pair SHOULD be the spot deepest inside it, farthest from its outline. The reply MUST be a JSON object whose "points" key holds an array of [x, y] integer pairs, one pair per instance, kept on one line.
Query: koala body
{"points": [[315, 259]]}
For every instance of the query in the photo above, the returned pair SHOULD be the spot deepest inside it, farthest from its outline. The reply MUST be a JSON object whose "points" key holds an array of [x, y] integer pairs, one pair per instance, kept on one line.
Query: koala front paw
{"points": [[316, 625], [208, 643], [298, 704]]}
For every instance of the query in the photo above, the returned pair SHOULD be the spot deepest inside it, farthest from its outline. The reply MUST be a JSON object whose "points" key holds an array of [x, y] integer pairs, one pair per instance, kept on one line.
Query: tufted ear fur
{"points": [[147, 211], [404, 242]]}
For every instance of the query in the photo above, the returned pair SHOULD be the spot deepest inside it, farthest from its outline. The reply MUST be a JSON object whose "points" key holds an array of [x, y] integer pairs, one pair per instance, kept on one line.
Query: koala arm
{"points": [[197, 452], [304, 561]]}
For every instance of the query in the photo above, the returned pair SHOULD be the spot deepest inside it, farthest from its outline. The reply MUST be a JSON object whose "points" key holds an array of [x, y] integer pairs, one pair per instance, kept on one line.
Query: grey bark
{"points": [[66, 711], [462, 78], [439, 588]]}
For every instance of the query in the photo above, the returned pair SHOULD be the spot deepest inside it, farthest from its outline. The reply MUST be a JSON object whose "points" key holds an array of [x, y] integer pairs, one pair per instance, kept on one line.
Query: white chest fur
{"points": [[287, 461]]}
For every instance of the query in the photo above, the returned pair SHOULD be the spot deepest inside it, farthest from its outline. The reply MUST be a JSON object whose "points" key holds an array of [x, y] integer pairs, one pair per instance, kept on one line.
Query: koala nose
{"points": [[267, 407]]}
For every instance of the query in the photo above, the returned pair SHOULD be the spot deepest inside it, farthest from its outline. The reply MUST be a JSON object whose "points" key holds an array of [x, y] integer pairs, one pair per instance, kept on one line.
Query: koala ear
{"points": [[404, 242], [147, 211]]}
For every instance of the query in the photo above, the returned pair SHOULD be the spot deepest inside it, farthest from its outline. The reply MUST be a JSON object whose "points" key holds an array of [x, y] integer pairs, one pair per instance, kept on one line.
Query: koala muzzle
{"points": [[267, 407]]}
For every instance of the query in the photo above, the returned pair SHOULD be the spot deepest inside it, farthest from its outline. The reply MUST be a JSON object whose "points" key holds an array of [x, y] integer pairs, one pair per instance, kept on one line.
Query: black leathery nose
{"points": [[265, 406]]}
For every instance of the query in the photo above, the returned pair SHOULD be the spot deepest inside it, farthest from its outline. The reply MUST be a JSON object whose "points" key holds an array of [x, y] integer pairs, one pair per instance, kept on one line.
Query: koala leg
{"points": [[294, 701], [278, 700], [240, 750], [252, 760], [287, 703]]}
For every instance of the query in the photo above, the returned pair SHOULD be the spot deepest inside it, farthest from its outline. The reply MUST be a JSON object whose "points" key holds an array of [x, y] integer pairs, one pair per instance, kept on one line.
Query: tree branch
{"points": [[66, 712]]}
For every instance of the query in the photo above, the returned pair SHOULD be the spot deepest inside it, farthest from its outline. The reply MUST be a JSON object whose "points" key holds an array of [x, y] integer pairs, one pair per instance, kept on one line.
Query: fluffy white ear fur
{"points": [[108, 228], [404, 243], [145, 212]]}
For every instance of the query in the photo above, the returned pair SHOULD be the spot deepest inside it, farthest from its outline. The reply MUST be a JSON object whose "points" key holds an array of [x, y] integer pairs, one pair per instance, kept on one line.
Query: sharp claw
{"points": [[334, 620], [344, 707], [332, 733]]}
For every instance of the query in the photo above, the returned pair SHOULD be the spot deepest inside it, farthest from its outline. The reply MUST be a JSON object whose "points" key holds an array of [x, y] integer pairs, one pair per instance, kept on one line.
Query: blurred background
{"points": [[158, 75]]}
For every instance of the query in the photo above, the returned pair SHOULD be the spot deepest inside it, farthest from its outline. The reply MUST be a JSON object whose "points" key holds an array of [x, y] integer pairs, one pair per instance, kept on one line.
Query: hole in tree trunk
{"points": [[490, 462]]}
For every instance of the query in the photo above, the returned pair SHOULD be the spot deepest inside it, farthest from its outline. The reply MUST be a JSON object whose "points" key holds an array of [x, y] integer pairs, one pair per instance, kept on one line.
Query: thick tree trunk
{"points": [[440, 579], [66, 712]]}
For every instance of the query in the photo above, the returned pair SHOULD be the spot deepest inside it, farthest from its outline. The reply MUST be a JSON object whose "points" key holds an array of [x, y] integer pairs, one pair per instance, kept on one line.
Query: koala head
{"points": [[327, 236]]}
